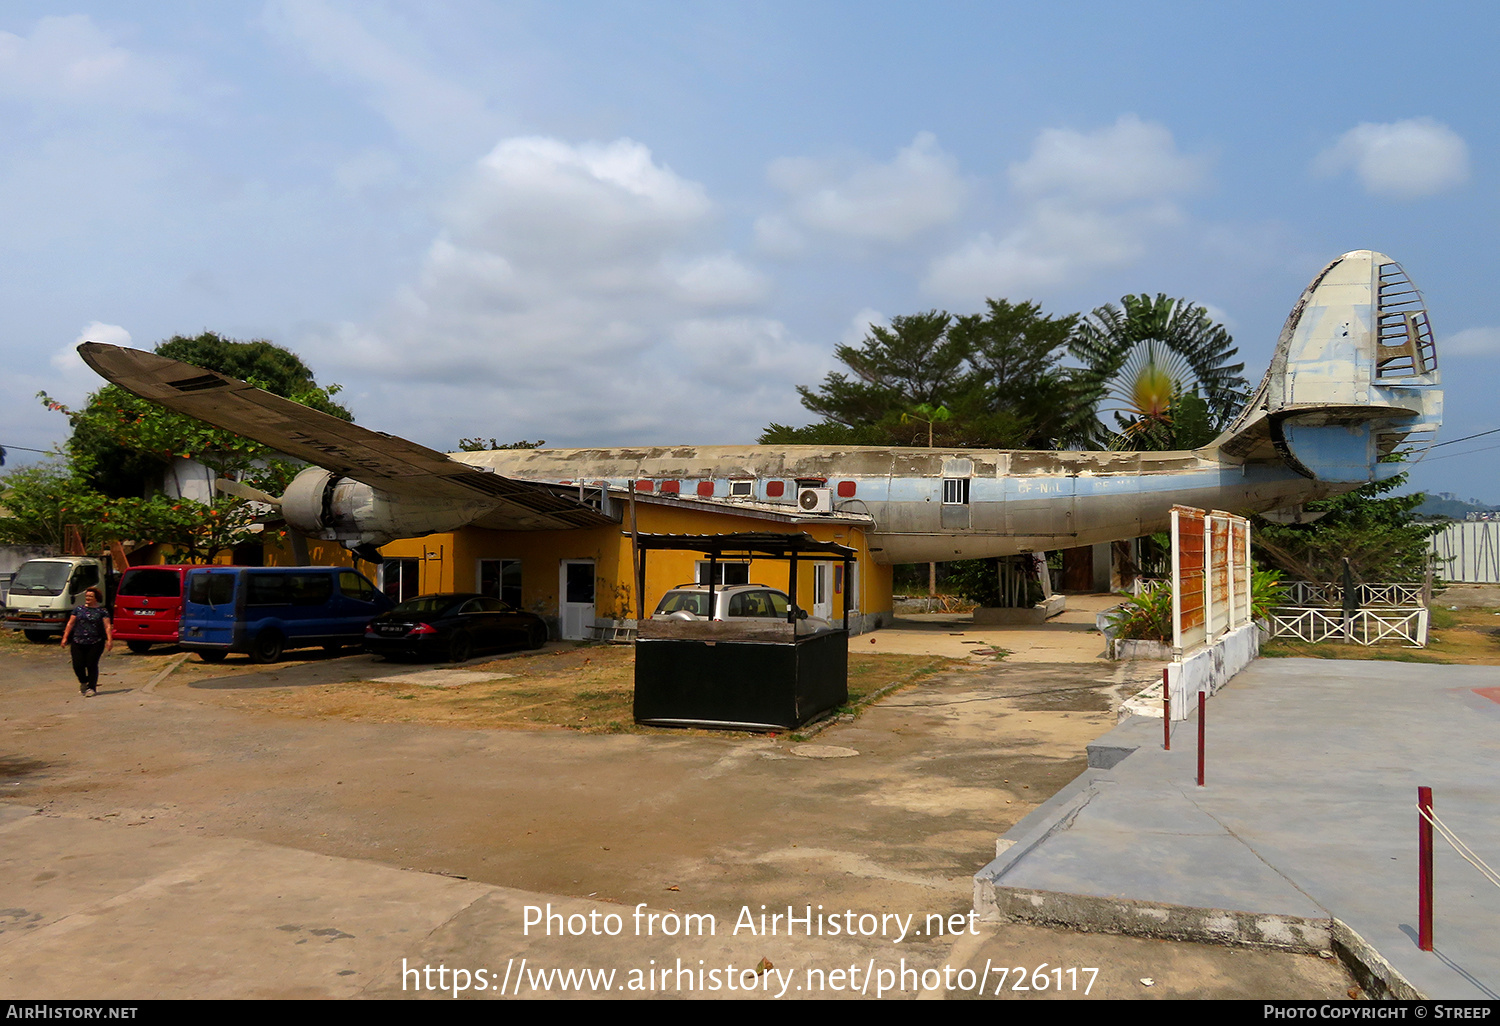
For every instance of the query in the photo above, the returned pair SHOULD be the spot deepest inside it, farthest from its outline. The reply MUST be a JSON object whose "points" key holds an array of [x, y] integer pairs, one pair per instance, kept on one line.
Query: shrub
{"points": [[1146, 617]]}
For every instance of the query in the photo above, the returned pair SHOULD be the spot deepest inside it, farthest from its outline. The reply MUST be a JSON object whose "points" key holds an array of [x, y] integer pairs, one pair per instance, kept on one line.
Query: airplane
{"points": [[1353, 385]]}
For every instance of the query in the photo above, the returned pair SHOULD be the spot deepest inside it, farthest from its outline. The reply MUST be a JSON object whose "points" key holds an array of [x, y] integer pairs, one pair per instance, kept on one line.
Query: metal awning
{"points": [[764, 543]]}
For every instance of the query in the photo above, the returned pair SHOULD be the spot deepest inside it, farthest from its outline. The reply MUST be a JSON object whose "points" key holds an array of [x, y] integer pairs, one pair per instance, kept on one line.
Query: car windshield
{"points": [[694, 602], [428, 605], [40, 578]]}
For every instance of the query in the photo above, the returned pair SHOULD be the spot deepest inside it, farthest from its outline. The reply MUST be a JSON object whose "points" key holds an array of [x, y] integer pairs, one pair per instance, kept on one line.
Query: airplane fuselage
{"points": [[935, 504]]}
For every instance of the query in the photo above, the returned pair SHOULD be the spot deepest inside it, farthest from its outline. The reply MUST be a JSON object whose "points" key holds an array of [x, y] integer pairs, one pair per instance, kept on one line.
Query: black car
{"points": [[452, 627]]}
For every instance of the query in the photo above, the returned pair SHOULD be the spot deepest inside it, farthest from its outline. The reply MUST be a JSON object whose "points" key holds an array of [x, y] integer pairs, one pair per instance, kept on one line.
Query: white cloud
{"points": [[1403, 159], [720, 280], [860, 325], [556, 202], [575, 293], [71, 364], [71, 60], [1471, 342], [1087, 200], [919, 189], [1130, 160], [422, 105]]}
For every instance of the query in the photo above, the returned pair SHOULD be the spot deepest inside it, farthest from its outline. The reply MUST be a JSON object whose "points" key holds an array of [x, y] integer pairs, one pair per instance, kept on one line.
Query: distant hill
{"points": [[1445, 504]]}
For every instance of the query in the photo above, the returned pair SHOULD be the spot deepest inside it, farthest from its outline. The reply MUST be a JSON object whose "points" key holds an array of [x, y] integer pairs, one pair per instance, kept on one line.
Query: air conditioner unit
{"points": [[815, 500]]}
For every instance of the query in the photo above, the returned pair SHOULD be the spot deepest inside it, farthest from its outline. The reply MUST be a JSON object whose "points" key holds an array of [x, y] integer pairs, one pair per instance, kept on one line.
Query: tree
{"points": [[38, 502], [995, 374], [121, 445], [1015, 352], [481, 445], [1381, 537], [1162, 367]]}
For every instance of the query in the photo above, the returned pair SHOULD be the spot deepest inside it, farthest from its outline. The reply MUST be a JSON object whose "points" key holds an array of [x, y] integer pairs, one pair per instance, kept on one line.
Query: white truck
{"points": [[44, 592]]}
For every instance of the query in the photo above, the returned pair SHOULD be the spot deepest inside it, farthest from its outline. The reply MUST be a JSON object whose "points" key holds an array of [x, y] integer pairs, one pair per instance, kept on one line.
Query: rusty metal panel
{"points": [[1188, 567], [1210, 576]]}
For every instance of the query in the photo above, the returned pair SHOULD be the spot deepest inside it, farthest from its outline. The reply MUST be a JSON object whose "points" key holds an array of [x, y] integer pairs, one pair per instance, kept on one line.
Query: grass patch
{"points": [[1291, 649], [589, 689]]}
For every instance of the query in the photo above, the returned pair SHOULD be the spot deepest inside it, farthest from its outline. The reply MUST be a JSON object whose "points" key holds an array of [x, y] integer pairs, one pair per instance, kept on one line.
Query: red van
{"points": [[148, 605]]}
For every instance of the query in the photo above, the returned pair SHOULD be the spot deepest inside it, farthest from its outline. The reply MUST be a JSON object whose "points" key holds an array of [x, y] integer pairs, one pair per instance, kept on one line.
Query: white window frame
{"points": [[700, 572], [955, 491]]}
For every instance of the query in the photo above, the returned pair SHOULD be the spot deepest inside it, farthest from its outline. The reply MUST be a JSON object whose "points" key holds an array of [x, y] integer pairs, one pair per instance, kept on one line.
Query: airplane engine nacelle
{"points": [[322, 504]]}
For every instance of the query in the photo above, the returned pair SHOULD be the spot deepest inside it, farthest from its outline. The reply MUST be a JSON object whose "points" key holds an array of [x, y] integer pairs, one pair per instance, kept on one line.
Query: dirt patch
{"points": [[589, 689], [14, 769], [945, 764]]}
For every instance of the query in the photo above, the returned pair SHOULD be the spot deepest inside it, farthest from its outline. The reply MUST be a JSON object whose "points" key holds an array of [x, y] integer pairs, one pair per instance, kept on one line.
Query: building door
{"points": [[822, 591], [501, 579], [847, 587], [576, 604], [399, 578]]}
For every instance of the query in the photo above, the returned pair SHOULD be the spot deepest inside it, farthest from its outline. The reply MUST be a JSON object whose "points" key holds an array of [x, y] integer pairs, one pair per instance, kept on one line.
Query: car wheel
{"points": [[138, 647], [537, 637], [212, 657], [460, 648], [267, 647], [38, 637]]}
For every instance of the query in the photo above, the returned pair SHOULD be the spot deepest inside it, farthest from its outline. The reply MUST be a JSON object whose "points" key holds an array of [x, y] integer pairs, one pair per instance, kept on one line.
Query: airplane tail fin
{"points": [[1353, 382]]}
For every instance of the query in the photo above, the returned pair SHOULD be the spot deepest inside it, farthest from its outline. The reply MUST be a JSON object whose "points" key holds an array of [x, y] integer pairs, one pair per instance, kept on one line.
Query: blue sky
{"points": [[616, 223]]}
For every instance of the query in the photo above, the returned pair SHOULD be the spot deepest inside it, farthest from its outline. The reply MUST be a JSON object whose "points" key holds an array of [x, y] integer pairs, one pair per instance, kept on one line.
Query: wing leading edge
{"points": [[382, 461]]}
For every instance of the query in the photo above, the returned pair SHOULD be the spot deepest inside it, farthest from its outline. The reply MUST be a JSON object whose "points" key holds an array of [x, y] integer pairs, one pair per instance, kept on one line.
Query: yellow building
{"points": [[584, 579]]}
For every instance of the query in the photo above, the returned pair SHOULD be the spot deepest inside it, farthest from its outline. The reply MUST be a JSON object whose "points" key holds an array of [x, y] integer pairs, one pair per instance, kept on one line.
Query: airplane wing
{"points": [[375, 458]]}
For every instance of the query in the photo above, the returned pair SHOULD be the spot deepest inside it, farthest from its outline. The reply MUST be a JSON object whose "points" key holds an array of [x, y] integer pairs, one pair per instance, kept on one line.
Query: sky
{"points": [[647, 223]]}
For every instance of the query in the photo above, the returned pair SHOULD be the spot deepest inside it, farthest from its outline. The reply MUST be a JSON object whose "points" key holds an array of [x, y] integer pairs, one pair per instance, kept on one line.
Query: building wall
{"points": [[449, 562]]}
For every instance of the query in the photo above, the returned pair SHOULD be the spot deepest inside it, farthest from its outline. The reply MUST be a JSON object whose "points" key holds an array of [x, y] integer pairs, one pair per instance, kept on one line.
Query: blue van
{"points": [[264, 610]]}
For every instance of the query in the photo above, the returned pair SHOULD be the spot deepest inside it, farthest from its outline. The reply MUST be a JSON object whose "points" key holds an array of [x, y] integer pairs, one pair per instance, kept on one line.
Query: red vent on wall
{"points": [[705, 488], [846, 489], [671, 487], [775, 489], [645, 486]]}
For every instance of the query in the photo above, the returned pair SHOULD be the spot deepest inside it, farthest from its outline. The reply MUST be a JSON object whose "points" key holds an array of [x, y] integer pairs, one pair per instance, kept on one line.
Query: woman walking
{"points": [[91, 635]]}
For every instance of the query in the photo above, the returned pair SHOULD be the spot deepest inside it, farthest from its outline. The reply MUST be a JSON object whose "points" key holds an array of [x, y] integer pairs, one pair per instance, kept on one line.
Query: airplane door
{"points": [[576, 605]]}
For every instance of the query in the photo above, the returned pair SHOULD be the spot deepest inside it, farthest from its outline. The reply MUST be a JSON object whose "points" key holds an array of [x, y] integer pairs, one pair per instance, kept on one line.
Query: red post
{"points": [[1166, 712], [1424, 869], [1202, 707]]}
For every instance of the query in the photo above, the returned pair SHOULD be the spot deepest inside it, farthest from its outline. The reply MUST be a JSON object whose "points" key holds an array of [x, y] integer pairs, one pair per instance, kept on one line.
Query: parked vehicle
{"points": [[733, 602], [44, 592], [265, 610], [148, 605], [453, 627]]}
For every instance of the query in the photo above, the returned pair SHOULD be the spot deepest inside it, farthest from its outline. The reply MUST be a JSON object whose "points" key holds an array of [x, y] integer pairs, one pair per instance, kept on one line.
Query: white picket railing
{"points": [[1311, 594], [1365, 627]]}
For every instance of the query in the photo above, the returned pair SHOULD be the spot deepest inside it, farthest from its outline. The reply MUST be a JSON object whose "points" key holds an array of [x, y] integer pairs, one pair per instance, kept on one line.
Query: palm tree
{"points": [[1163, 365]]}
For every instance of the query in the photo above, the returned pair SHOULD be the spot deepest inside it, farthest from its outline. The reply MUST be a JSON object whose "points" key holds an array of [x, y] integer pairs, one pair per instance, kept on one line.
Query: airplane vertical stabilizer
{"points": [[1354, 378]]}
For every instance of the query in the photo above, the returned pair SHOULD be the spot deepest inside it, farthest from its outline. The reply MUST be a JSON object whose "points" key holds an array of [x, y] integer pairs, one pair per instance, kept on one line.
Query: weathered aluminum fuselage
{"points": [[1017, 501]]}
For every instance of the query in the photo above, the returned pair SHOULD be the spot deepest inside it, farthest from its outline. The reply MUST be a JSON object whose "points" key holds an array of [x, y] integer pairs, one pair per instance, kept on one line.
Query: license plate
{"points": [[388, 629], [144, 612]]}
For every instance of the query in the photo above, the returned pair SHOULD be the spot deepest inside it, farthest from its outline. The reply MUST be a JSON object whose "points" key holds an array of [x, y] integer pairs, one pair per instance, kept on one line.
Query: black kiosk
{"points": [[742, 674]]}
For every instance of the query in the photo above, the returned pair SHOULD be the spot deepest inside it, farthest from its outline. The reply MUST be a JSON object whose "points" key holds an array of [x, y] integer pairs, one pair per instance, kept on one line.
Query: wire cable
{"points": [[1463, 849], [1465, 438]]}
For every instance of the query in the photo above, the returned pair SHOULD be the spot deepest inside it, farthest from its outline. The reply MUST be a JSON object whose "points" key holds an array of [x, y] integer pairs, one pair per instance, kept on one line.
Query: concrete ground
{"points": [[1069, 637], [159, 842], [1308, 813]]}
